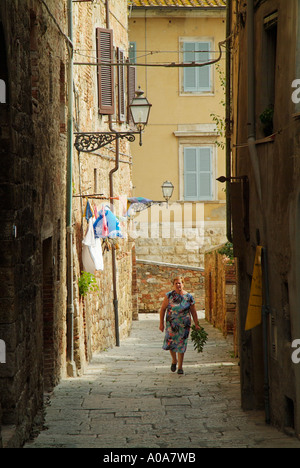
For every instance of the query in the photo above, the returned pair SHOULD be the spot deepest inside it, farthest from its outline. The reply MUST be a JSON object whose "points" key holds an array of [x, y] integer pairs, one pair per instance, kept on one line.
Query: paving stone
{"points": [[128, 398]]}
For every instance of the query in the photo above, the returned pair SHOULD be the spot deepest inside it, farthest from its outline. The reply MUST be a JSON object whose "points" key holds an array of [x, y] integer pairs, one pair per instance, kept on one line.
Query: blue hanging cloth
{"points": [[113, 225], [88, 211]]}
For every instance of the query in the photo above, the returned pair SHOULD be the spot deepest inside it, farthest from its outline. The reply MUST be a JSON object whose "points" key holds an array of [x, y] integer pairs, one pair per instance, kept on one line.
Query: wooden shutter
{"points": [[198, 174], [131, 88], [121, 86], [105, 73]]}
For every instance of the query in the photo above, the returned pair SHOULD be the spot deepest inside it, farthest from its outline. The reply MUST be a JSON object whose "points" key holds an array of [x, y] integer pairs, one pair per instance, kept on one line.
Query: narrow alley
{"points": [[128, 398]]}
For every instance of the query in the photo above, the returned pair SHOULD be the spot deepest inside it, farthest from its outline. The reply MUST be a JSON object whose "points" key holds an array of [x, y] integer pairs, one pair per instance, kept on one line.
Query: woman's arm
{"points": [[195, 316], [162, 313]]}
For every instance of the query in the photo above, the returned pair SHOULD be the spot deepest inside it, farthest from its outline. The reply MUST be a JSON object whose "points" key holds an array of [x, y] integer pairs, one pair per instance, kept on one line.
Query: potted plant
{"points": [[266, 119]]}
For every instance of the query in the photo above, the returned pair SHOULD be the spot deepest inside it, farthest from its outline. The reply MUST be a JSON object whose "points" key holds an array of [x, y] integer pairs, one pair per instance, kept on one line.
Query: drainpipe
{"points": [[251, 98], [111, 191], [113, 252], [71, 368], [228, 117]]}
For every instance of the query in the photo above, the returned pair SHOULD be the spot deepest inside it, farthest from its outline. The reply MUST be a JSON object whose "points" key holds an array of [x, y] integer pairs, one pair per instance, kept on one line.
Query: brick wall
{"points": [[154, 280], [220, 293]]}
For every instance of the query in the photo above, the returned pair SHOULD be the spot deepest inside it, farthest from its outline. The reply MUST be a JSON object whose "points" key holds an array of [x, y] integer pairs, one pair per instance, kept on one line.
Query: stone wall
{"points": [[221, 294], [34, 62], [154, 280], [32, 209], [178, 233], [94, 315]]}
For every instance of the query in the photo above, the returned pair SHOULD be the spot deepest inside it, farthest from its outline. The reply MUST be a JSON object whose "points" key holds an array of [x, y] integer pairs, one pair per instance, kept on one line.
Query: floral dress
{"points": [[178, 322]]}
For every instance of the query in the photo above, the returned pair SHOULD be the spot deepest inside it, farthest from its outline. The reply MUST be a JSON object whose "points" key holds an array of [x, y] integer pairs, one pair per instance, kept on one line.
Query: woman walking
{"points": [[180, 305]]}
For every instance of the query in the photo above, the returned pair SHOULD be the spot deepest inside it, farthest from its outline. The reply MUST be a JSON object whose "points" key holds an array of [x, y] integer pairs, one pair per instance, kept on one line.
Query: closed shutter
{"points": [[105, 73], [204, 174], [131, 88], [204, 81], [190, 174], [190, 74], [121, 86], [198, 174], [197, 79]]}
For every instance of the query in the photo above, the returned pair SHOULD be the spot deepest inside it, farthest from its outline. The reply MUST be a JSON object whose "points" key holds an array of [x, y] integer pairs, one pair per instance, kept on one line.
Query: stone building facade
{"points": [[264, 57], [95, 314], [33, 181], [35, 58]]}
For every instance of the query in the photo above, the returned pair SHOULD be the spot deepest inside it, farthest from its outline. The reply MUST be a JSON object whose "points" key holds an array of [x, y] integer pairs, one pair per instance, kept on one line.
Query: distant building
{"points": [[183, 142]]}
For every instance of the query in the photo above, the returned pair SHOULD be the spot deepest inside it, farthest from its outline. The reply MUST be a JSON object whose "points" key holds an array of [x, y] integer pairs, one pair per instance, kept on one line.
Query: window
{"points": [[269, 72], [105, 73], [197, 79], [198, 173], [132, 52]]}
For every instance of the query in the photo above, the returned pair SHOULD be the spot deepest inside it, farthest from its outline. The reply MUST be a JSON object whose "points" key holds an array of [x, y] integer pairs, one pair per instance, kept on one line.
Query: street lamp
{"points": [[167, 190], [140, 110]]}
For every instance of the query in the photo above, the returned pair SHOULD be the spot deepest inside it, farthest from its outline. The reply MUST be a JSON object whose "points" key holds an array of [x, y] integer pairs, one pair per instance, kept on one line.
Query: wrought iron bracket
{"points": [[89, 142]]}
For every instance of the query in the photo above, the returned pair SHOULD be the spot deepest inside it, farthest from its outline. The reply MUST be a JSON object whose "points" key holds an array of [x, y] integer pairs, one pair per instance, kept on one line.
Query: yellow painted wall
{"points": [[158, 159]]}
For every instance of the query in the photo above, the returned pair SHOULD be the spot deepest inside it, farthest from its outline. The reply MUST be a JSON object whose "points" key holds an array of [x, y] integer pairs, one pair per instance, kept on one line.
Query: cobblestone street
{"points": [[128, 398]]}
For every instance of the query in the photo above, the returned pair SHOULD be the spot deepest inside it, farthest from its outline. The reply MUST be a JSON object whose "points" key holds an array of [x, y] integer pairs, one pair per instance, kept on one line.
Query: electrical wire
{"points": [[163, 65]]}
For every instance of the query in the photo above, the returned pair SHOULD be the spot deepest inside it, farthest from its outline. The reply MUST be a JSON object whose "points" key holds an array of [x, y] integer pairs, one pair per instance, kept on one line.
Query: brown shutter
{"points": [[105, 73], [131, 88], [121, 86]]}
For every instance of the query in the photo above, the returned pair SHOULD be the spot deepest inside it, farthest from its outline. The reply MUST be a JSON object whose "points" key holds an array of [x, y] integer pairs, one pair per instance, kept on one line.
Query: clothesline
{"points": [[96, 196]]}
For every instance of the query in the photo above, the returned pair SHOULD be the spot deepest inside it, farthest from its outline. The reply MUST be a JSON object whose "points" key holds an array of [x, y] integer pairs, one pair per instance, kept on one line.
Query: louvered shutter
{"points": [[190, 174], [105, 73], [198, 174], [202, 56], [204, 174], [131, 88], [121, 86], [190, 74], [196, 79]]}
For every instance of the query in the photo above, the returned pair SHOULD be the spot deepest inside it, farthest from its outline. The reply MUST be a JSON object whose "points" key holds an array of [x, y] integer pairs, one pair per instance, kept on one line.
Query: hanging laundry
{"points": [[105, 231], [107, 218], [92, 257], [88, 211], [135, 204]]}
